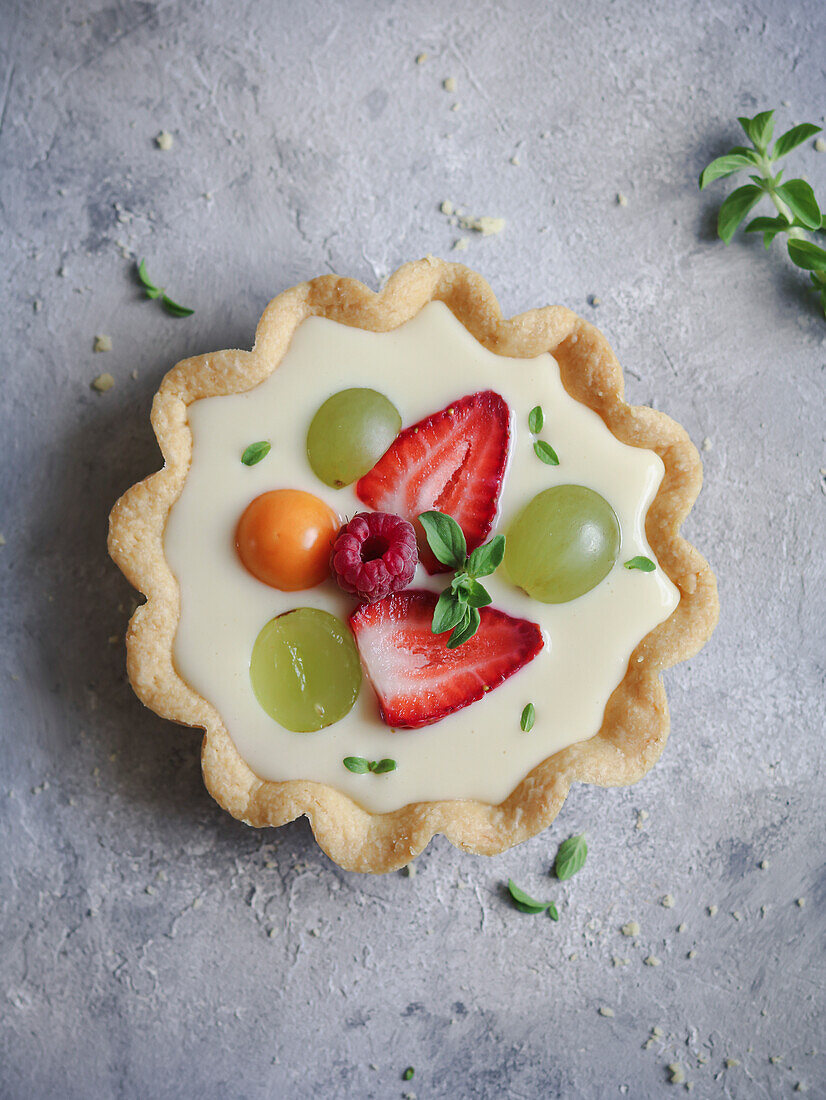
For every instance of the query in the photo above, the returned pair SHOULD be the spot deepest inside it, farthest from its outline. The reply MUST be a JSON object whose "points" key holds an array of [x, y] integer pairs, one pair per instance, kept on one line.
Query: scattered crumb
{"points": [[617, 961], [37, 305], [3, 543], [691, 955], [314, 932], [449, 84], [667, 902], [515, 161], [44, 786], [657, 1032], [197, 903], [652, 960], [273, 932], [149, 890], [763, 910], [485, 225], [801, 902], [604, 1010], [712, 910], [103, 382], [594, 300], [731, 1063], [677, 1073], [737, 914], [164, 140], [689, 1085], [461, 244], [447, 208], [102, 343], [764, 865], [681, 927], [642, 817], [621, 199], [630, 929], [421, 58], [135, 375], [800, 1087], [573, 957], [410, 870], [776, 1059], [707, 444], [820, 145], [456, 106]]}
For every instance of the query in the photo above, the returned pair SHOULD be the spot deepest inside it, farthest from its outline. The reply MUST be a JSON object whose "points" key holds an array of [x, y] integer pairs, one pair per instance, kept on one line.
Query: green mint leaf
{"points": [[478, 595], [466, 629], [449, 612], [724, 166], [445, 538], [528, 718], [800, 199], [553, 912], [174, 309], [807, 255], [525, 903], [153, 292], [759, 129], [408, 1074], [735, 208], [570, 857], [143, 275], [546, 452], [645, 565], [486, 559], [794, 137], [356, 764], [536, 419], [381, 767], [255, 452], [769, 227]]}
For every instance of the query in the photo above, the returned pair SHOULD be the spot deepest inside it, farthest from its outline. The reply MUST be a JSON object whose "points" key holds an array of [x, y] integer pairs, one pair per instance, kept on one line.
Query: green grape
{"points": [[349, 434], [305, 669], [562, 544]]}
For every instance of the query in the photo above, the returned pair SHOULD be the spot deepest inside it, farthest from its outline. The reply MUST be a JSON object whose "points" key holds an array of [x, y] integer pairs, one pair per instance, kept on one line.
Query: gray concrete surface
{"points": [[151, 946]]}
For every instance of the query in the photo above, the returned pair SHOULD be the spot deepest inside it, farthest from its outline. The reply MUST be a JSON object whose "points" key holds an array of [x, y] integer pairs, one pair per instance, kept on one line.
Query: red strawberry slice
{"points": [[417, 678], [452, 461]]}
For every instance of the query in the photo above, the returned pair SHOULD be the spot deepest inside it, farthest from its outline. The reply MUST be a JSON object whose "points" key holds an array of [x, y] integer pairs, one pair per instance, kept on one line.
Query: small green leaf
{"points": [[486, 559], [174, 309], [445, 538], [478, 595], [460, 586], [645, 565], [759, 129], [528, 718], [449, 612], [255, 452], [769, 227], [536, 419], [800, 199], [724, 166], [466, 629], [794, 137], [356, 764], [807, 255], [408, 1074], [553, 912], [144, 278], [546, 452], [570, 857], [381, 767], [526, 904], [153, 292], [735, 208]]}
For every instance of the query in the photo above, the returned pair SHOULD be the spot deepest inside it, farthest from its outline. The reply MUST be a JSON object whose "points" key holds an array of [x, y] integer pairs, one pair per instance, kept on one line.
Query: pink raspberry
{"points": [[374, 554]]}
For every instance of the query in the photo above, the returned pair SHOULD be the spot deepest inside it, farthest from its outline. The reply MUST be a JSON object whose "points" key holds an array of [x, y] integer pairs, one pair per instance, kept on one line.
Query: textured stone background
{"points": [[152, 946]]}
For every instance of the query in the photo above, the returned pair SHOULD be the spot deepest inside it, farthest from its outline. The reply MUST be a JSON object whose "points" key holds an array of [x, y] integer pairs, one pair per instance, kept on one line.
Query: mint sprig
{"points": [[361, 765], [153, 291], [798, 212], [457, 608]]}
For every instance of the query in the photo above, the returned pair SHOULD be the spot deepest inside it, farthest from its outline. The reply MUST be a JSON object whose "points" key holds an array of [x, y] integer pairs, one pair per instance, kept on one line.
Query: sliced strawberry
{"points": [[452, 461], [417, 678]]}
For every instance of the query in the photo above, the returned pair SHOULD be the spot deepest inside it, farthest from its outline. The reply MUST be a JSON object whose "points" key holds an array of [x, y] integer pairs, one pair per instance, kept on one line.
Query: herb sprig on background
{"points": [[457, 608], [798, 212], [153, 291]]}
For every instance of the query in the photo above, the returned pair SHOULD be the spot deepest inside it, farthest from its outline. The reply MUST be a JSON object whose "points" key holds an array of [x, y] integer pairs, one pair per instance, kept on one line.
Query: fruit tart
{"points": [[412, 568]]}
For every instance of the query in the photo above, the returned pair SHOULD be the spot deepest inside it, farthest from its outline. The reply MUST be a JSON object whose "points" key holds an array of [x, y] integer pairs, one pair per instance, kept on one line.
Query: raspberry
{"points": [[374, 554]]}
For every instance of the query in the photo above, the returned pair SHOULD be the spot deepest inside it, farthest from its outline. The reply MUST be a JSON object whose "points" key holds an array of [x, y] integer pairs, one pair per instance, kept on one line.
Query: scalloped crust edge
{"points": [[635, 722]]}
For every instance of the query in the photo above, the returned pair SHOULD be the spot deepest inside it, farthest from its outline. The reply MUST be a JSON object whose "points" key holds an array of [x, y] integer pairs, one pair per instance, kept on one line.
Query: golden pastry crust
{"points": [[635, 723]]}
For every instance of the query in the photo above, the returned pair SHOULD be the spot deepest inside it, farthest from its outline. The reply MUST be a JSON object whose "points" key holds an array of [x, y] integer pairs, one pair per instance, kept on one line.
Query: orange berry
{"points": [[284, 538]]}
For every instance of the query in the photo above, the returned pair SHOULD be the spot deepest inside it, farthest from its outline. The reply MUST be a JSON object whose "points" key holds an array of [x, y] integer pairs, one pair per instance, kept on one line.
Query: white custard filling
{"points": [[479, 752]]}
